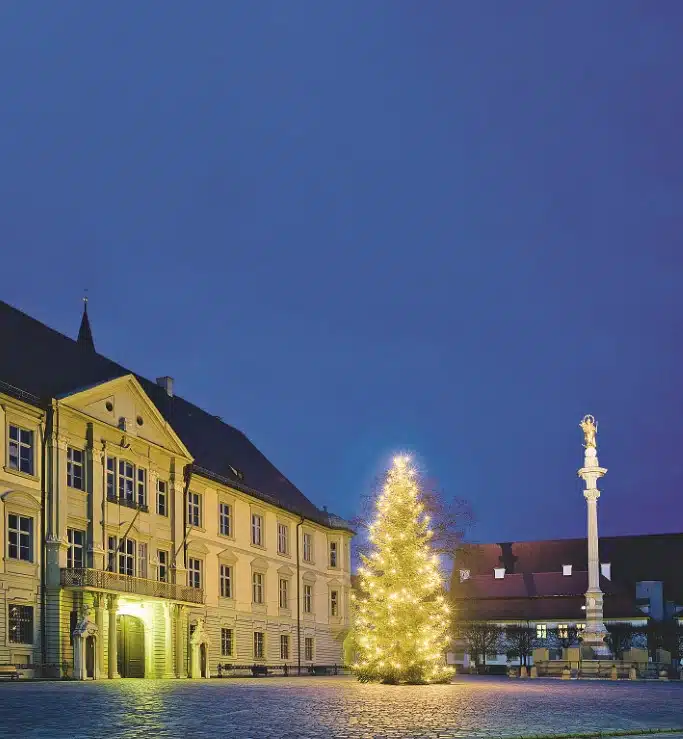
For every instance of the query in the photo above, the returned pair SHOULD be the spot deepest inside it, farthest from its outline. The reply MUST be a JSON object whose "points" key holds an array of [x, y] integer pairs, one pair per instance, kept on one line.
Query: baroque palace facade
{"points": [[145, 537]]}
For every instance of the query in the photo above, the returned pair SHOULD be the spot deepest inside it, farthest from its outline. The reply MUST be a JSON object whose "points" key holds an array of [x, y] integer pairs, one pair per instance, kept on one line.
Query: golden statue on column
{"points": [[590, 428]]}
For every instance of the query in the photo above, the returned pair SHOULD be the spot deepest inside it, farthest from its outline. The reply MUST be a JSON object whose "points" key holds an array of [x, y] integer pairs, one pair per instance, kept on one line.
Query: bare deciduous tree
{"points": [[519, 641], [620, 638], [482, 639]]}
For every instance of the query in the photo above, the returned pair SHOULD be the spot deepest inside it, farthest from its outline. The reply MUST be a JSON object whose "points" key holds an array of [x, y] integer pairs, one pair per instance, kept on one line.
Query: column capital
{"points": [[591, 494], [58, 542], [112, 602]]}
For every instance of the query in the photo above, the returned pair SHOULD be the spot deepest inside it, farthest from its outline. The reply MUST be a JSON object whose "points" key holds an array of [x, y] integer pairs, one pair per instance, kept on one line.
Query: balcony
{"points": [[114, 582], [128, 503]]}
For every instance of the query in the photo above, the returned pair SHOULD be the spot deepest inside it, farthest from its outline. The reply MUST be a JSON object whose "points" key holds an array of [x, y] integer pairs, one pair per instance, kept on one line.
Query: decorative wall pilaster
{"points": [[112, 605]]}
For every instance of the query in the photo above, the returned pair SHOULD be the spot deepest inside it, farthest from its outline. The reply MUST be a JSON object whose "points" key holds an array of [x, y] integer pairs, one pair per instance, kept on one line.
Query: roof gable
{"points": [[123, 402]]}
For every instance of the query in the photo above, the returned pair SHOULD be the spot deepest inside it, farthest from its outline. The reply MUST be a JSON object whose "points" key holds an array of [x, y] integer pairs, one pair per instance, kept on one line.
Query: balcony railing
{"points": [[113, 581]]}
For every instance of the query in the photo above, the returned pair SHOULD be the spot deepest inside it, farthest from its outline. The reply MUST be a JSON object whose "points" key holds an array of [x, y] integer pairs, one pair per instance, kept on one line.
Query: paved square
{"points": [[328, 708]]}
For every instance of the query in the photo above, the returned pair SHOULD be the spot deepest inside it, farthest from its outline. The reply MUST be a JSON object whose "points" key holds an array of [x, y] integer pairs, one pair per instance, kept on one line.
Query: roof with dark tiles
{"points": [[45, 364], [535, 588], [632, 558], [559, 609]]}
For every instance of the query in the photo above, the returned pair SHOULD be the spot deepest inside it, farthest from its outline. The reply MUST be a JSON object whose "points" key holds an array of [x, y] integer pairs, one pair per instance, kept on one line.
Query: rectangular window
{"points": [[126, 481], [226, 581], [563, 631], [308, 547], [226, 642], [258, 644], [282, 538], [111, 478], [75, 553], [142, 560], [284, 593], [541, 631], [127, 557], [74, 468], [194, 509], [194, 572], [333, 554], [334, 603], [581, 626], [21, 624], [111, 553], [20, 537], [257, 529], [257, 587], [162, 497], [225, 519], [308, 649], [162, 569], [284, 646], [142, 486], [21, 449], [308, 598]]}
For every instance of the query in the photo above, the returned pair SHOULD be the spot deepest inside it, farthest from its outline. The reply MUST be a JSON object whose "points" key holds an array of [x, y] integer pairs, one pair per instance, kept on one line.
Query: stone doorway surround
{"points": [[86, 629], [199, 640]]}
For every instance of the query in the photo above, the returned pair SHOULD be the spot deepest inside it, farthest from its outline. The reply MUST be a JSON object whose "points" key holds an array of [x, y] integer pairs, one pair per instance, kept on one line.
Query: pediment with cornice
{"points": [[123, 404], [20, 499]]}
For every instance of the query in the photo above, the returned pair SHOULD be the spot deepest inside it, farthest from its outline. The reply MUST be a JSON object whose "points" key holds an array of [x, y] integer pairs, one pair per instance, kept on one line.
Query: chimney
{"points": [[499, 573], [167, 383], [566, 569], [606, 570]]}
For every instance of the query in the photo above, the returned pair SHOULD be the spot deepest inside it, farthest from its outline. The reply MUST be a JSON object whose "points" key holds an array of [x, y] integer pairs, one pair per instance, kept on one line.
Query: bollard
{"points": [[534, 672], [523, 672], [632, 673], [566, 673], [663, 675]]}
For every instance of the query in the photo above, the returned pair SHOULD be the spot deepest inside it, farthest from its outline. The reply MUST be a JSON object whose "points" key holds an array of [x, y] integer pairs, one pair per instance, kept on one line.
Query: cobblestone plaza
{"points": [[280, 708]]}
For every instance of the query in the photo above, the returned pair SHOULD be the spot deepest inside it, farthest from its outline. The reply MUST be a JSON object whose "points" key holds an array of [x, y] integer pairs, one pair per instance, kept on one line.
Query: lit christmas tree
{"points": [[401, 617]]}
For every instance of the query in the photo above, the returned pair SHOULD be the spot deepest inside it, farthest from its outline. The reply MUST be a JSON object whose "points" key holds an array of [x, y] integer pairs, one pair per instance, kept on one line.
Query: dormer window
{"points": [[499, 573], [566, 570]]}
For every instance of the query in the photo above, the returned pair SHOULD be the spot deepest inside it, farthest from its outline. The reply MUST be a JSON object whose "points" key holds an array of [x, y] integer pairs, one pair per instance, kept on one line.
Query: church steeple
{"points": [[85, 332]]}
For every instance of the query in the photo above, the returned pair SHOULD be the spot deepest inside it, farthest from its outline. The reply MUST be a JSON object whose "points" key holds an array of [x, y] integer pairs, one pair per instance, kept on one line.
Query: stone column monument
{"points": [[595, 631]]}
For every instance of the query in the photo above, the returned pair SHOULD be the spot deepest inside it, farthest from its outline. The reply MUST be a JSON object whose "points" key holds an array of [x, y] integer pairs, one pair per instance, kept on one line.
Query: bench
{"points": [[9, 671], [259, 670]]}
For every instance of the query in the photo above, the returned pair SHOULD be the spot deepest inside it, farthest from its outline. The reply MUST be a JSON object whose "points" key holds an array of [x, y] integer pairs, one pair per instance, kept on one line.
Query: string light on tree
{"points": [[402, 619]]}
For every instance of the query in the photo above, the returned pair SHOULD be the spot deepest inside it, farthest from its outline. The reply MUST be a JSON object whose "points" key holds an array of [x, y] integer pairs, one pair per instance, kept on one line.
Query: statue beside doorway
{"points": [[85, 637], [199, 651]]}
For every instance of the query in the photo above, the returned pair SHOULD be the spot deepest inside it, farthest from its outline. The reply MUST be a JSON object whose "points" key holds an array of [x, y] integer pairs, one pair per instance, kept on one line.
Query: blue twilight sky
{"points": [[354, 227]]}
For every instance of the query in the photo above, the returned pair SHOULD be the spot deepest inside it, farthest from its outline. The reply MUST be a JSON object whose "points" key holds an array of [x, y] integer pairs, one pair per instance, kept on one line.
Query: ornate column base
{"points": [[595, 632]]}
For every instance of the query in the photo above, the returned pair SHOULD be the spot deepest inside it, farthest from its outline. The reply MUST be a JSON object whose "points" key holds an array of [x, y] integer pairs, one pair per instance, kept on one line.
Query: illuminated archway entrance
{"points": [[130, 635]]}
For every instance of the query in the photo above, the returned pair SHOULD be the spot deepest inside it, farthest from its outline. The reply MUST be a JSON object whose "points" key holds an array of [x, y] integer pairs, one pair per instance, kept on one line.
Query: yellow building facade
{"points": [[143, 537]]}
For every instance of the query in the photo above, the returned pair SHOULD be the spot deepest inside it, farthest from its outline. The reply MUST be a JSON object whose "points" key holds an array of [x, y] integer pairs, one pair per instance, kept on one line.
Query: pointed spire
{"points": [[85, 332]]}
